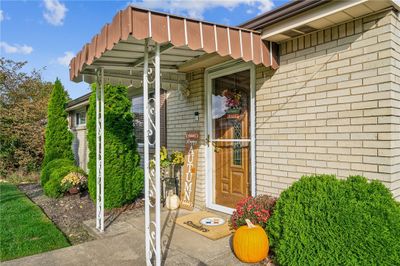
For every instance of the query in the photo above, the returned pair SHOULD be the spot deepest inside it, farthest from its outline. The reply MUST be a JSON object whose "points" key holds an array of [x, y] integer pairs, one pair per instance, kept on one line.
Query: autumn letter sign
{"points": [[188, 184]]}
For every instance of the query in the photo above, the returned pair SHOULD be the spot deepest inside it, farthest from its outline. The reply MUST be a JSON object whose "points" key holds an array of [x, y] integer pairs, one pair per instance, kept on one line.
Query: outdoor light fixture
{"points": [[196, 116]]}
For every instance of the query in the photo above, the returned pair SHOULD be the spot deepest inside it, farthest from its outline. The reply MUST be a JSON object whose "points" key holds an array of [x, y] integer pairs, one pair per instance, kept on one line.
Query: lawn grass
{"points": [[24, 228]]}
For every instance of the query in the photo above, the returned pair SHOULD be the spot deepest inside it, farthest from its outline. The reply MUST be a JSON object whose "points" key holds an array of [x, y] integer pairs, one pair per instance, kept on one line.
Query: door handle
{"points": [[208, 141]]}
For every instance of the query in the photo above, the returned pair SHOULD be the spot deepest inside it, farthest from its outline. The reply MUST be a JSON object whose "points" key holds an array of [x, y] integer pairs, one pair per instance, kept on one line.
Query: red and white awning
{"points": [[121, 42]]}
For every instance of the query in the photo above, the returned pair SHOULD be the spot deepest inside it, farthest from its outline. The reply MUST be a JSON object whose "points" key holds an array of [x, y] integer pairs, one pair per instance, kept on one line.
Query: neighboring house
{"points": [[327, 102], [77, 109]]}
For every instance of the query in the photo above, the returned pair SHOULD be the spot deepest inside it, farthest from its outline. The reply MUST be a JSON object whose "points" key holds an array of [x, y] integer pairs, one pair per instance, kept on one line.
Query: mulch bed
{"points": [[69, 212]]}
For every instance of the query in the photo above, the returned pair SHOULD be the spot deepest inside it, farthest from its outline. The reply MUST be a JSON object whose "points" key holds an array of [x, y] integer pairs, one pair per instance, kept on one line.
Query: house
{"points": [[77, 110], [309, 87]]}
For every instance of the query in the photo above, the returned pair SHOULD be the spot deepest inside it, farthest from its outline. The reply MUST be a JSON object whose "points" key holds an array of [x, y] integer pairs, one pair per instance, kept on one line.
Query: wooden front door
{"points": [[231, 138]]}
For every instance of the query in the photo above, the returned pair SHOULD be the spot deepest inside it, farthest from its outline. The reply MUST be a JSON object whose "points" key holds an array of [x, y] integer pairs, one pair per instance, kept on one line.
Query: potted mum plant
{"points": [[257, 210], [165, 163], [233, 101], [170, 170], [74, 182]]}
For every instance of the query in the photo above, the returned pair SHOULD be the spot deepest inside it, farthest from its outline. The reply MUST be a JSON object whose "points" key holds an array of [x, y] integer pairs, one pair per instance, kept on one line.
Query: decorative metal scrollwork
{"points": [[151, 77], [100, 150], [150, 116]]}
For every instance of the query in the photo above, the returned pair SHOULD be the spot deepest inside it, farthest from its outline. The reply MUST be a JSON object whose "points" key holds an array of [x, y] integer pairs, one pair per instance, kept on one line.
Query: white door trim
{"points": [[209, 74]]}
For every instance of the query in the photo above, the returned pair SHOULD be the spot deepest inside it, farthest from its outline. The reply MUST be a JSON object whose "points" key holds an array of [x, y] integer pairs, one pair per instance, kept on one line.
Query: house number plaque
{"points": [[188, 183]]}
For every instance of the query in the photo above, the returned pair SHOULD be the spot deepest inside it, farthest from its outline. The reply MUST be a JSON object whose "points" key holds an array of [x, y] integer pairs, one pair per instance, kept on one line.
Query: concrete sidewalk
{"points": [[123, 244]]}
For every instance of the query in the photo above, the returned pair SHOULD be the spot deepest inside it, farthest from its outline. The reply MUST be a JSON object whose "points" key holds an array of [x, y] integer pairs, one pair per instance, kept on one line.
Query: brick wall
{"points": [[332, 106], [395, 116], [180, 119]]}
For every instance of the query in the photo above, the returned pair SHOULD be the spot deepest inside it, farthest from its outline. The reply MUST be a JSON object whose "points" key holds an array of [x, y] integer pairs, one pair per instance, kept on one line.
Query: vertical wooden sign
{"points": [[188, 183]]}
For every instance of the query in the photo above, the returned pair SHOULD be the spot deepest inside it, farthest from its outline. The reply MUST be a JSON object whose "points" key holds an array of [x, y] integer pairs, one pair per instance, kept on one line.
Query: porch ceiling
{"points": [[119, 46]]}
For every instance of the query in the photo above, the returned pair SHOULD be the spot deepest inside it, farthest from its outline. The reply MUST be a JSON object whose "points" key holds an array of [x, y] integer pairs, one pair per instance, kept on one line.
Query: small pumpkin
{"points": [[250, 243], [172, 201]]}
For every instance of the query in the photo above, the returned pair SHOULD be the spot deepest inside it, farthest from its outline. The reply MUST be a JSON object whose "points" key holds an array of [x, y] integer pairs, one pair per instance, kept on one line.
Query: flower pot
{"points": [[166, 172], [232, 116], [233, 111], [73, 190]]}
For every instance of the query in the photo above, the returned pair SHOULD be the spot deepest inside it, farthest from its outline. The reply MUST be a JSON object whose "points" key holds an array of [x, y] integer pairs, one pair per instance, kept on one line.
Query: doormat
{"points": [[206, 224]]}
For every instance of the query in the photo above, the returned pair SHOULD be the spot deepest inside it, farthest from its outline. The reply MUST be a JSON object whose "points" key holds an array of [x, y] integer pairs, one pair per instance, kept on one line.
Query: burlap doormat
{"points": [[214, 232]]}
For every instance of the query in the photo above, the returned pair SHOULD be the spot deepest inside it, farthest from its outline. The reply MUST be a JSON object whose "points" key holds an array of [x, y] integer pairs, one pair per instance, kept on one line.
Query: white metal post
{"points": [[152, 174], [97, 150], [157, 142], [100, 151], [253, 129], [146, 153]]}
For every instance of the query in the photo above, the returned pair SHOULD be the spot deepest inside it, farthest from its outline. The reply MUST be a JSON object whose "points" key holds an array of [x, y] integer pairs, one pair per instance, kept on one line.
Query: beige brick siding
{"points": [[394, 155], [180, 119], [332, 106]]}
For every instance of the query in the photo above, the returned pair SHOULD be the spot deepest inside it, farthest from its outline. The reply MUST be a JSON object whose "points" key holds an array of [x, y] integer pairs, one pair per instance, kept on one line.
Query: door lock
{"points": [[208, 141]]}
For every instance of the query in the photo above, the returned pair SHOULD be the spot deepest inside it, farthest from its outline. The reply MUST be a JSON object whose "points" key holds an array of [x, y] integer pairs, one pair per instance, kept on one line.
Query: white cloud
{"points": [[265, 6], [3, 16], [55, 12], [196, 9], [249, 11], [64, 60], [16, 48]]}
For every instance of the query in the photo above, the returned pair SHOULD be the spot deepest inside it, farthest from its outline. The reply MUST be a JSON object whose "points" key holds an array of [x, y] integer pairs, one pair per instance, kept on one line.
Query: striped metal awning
{"points": [[121, 42]]}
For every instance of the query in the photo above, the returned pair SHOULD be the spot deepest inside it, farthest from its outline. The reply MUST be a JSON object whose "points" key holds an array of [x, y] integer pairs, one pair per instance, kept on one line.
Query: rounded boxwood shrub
{"points": [[123, 176], [321, 220], [53, 187], [48, 169]]}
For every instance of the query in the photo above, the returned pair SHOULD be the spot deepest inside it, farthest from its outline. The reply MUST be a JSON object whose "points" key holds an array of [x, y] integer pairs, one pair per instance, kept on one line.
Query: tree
{"points": [[23, 106], [58, 144], [123, 176]]}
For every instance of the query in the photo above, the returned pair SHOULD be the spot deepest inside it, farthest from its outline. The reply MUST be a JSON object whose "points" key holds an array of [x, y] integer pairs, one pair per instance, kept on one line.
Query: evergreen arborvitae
{"points": [[123, 176], [58, 138]]}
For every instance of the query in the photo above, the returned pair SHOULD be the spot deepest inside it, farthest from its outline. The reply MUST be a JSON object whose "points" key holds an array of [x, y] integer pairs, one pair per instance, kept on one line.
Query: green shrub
{"points": [[321, 220], [48, 169], [123, 177], [53, 187], [58, 139]]}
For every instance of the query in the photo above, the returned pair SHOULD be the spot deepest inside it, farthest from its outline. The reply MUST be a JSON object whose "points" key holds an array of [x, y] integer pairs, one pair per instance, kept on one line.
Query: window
{"points": [[138, 119], [80, 118]]}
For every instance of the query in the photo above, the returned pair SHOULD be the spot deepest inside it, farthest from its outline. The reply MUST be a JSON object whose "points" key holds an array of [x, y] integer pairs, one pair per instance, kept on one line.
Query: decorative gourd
{"points": [[172, 201], [250, 243]]}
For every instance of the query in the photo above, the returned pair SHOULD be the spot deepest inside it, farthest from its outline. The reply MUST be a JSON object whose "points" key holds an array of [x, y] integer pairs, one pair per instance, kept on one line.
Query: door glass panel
{"points": [[231, 137], [237, 147], [231, 102]]}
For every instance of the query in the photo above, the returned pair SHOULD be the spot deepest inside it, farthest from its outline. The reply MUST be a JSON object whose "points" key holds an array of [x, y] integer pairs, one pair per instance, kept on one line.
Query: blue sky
{"points": [[47, 33]]}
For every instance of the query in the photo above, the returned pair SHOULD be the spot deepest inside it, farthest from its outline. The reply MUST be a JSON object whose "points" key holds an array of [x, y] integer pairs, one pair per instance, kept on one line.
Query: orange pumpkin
{"points": [[250, 243]]}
